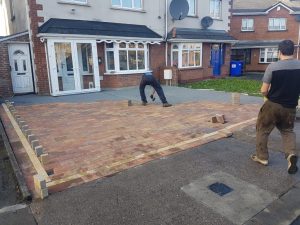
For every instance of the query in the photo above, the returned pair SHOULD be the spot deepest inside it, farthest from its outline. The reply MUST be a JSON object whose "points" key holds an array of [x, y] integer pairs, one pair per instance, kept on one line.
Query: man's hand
{"points": [[264, 89]]}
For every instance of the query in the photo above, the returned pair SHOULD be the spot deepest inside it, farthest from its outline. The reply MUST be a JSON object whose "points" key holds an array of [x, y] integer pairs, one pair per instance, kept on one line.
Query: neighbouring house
{"points": [[260, 26], [14, 36], [78, 46], [200, 44]]}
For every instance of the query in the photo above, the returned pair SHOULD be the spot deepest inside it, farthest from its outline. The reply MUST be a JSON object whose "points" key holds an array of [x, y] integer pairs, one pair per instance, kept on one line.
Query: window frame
{"points": [[74, 2], [265, 51], [281, 28], [116, 54], [247, 27], [130, 8], [180, 50], [195, 7], [212, 11]]}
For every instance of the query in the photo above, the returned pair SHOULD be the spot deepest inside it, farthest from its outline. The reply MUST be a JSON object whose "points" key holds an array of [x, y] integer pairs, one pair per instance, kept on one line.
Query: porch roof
{"points": [[203, 35], [255, 44], [95, 28]]}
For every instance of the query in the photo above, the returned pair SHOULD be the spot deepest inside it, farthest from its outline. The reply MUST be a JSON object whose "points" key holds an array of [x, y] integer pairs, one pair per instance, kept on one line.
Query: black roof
{"points": [[201, 34], [83, 27], [256, 43]]}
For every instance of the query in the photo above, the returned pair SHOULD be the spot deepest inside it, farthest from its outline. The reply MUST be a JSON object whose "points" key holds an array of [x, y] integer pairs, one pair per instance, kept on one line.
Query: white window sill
{"points": [[73, 3], [190, 68], [278, 30], [128, 9], [126, 72], [215, 18], [247, 30]]}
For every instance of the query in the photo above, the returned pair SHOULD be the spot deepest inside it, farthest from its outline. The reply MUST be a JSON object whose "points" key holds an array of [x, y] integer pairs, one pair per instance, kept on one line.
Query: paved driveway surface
{"points": [[88, 138]]}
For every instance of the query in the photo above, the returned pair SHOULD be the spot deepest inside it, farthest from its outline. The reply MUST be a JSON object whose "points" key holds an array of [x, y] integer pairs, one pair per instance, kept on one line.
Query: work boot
{"points": [[292, 164], [167, 104], [261, 161], [144, 103]]}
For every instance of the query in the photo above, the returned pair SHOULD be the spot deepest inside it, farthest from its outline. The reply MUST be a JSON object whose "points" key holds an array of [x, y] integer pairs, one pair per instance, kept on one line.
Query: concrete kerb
{"points": [[32, 147]]}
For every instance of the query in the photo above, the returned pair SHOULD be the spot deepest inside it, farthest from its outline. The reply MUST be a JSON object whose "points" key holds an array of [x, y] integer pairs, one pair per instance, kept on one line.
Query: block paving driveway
{"points": [[90, 140]]}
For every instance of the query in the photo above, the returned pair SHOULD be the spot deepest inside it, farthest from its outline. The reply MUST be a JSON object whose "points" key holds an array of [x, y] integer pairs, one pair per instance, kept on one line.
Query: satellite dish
{"points": [[179, 9], [206, 22]]}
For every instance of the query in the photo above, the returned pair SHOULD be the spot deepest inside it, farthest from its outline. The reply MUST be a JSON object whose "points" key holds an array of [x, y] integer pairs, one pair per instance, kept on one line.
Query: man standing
{"points": [[149, 79], [281, 86]]}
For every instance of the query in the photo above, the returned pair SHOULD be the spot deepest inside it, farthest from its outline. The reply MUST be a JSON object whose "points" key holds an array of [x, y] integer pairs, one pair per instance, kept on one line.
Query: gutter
{"points": [[202, 40], [97, 37], [5, 38], [13, 161], [261, 46]]}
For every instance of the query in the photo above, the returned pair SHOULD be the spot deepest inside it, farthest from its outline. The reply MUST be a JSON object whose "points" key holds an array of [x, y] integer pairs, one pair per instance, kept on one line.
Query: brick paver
{"points": [[86, 141]]}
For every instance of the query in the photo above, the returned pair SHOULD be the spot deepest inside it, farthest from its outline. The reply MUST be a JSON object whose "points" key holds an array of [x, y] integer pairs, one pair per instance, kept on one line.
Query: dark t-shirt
{"points": [[284, 77]]}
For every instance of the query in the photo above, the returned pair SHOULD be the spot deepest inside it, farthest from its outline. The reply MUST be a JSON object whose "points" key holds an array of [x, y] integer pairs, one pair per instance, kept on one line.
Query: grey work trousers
{"points": [[275, 115]]}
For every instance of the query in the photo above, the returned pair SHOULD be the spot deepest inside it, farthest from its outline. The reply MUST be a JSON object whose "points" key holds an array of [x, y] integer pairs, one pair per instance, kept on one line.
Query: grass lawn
{"points": [[250, 87]]}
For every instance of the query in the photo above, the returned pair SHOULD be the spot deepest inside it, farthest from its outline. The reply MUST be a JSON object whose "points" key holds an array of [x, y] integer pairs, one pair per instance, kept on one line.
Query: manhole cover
{"points": [[220, 188]]}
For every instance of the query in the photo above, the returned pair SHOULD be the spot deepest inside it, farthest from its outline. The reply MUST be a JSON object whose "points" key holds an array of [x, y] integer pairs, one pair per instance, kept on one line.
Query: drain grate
{"points": [[220, 188]]}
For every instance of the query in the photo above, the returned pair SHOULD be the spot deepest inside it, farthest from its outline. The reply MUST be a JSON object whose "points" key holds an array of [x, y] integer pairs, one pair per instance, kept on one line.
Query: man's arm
{"points": [[264, 89]]}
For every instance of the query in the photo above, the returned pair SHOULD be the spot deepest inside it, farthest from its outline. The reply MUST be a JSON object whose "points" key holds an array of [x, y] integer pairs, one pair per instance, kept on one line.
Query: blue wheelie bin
{"points": [[236, 68]]}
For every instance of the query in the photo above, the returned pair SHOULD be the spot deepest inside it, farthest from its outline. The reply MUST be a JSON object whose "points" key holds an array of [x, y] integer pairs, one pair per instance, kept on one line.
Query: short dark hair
{"points": [[286, 47]]}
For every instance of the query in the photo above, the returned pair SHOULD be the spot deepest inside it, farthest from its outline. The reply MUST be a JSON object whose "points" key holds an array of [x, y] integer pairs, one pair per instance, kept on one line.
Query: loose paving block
{"points": [[214, 119], [24, 127], [22, 123], [235, 98], [31, 137], [38, 150], [34, 144], [220, 118], [40, 186], [43, 193], [39, 182], [27, 133], [44, 158]]}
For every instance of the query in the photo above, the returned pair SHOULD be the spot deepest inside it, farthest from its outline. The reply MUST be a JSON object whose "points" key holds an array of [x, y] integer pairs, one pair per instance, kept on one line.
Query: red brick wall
{"points": [[156, 61], [39, 54], [255, 65], [261, 27], [5, 76]]}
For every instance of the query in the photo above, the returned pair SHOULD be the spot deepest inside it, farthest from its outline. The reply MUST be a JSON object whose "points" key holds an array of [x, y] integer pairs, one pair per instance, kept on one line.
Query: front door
{"points": [[216, 59], [20, 65], [73, 66], [64, 60]]}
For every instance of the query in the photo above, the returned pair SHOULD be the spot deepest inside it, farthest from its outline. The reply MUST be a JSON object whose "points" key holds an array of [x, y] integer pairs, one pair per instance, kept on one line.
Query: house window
{"points": [[127, 4], [241, 55], [268, 55], [192, 7], [86, 58], [187, 55], [247, 25], [215, 9], [277, 24], [126, 57]]}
